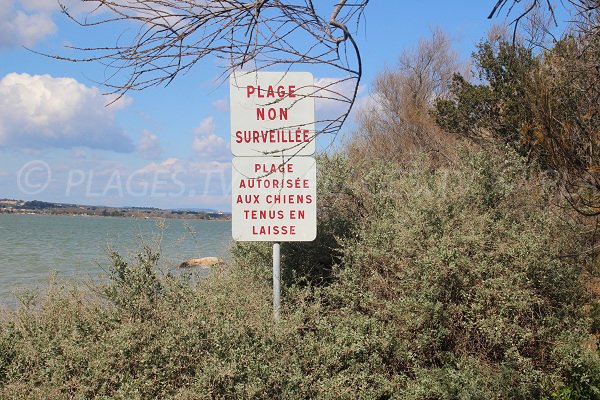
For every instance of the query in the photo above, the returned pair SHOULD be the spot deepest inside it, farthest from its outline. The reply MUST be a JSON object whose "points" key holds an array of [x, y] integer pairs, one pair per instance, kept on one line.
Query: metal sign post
{"points": [[273, 174], [276, 280]]}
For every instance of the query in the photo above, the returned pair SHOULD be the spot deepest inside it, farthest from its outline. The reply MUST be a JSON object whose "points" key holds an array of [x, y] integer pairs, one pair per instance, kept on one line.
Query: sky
{"points": [[165, 147]]}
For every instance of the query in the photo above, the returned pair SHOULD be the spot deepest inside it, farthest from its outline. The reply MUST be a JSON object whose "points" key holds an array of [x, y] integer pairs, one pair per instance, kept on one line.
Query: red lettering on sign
{"points": [[248, 199], [272, 114], [296, 214], [273, 136], [274, 230], [288, 199], [264, 214], [271, 167], [271, 91]]}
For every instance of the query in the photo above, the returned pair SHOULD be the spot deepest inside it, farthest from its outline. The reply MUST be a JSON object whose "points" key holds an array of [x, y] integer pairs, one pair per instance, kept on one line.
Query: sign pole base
{"points": [[276, 280]]}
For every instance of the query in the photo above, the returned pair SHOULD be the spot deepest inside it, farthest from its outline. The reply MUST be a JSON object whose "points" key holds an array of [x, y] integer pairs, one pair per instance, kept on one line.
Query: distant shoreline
{"points": [[116, 217], [35, 207]]}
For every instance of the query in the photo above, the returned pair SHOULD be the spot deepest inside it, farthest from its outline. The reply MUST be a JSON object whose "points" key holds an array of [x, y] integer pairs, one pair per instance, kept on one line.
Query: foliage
{"points": [[564, 93], [461, 279], [468, 266], [496, 108], [545, 106], [441, 282], [396, 122]]}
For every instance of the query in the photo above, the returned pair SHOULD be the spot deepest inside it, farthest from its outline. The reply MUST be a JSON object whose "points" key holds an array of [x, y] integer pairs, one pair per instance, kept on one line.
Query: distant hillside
{"points": [[43, 207]]}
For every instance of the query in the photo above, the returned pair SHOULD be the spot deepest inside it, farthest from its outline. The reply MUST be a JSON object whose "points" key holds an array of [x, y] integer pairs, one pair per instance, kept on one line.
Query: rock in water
{"points": [[201, 262]]}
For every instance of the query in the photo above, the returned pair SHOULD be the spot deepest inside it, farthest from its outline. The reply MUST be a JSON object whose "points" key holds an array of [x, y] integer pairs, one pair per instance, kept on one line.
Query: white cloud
{"points": [[333, 97], [366, 103], [40, 5], [20, 28], [187, 178], [79, 153], [207, 143], [25, 22], [221, 105], [212, 166], [168, 166], [40, 111], [30, 152], [191, 168], [149, 145]]}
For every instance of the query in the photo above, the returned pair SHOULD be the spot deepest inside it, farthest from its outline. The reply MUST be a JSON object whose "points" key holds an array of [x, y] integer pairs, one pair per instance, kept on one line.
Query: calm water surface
{"points": [[32, 247]]}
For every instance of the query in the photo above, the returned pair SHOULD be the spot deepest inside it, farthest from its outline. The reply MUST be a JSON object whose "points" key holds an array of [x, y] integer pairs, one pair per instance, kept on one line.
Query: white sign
{"points": [[274, 199], [272, 113]]}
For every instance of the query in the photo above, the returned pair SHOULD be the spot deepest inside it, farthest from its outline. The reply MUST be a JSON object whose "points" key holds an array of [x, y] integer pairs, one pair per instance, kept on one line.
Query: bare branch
{"points": [[173, 35]]}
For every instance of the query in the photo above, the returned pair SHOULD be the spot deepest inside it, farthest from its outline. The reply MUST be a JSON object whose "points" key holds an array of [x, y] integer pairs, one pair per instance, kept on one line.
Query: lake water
{"points": [[32, 247]]}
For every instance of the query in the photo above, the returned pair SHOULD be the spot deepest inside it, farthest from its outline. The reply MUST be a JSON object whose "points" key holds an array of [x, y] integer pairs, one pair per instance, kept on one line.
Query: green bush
{"points": [[467, 274], [457, 282]]}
